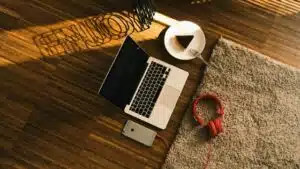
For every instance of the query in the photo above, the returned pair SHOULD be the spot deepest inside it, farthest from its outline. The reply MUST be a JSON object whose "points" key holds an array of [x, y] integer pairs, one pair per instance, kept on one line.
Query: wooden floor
{"points": [[51, 115]]}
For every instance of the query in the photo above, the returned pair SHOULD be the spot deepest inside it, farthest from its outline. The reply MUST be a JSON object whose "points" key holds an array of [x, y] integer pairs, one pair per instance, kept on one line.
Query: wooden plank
{"points": [[105, 151], [69, 115], [11, 160], [57, 154]]}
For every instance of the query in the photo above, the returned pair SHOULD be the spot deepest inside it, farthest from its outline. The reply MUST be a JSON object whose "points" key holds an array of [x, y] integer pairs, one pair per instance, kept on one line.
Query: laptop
{"points": [[144, 87]]}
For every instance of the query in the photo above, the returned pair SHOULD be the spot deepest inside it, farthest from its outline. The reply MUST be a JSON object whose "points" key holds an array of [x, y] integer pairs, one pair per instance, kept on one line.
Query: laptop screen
{"points": [[124, 74]]}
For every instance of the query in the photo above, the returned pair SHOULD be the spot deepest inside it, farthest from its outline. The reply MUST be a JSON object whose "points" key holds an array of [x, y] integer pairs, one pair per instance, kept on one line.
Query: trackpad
{"points": [[168, 97]]}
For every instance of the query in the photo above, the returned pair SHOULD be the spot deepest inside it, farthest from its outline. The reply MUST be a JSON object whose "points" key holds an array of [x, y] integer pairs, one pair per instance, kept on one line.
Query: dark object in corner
{"points": [[144, 10], [184, 40]]}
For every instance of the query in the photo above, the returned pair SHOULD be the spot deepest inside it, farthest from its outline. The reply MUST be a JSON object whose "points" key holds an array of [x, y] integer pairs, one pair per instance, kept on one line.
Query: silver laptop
{"points": [[144, 87]]}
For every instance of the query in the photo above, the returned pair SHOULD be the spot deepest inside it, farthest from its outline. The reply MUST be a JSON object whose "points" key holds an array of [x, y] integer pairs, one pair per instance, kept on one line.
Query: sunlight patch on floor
{"points": [[67, 37]]}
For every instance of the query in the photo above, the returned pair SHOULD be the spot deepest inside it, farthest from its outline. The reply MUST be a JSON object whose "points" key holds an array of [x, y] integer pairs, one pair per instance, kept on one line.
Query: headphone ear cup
{"points": [[212, 128], [218, 125]]}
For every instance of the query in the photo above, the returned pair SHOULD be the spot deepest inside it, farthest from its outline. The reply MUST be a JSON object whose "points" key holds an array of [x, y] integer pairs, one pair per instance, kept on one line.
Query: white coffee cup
{"points": [[184, 28]]}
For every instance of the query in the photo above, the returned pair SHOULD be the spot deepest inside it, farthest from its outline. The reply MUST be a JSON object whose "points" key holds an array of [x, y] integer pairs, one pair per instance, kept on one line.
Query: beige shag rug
{"points": [[262, 115]]}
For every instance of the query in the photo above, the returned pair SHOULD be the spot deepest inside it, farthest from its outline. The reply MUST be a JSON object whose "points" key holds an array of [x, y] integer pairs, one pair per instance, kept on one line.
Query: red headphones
{"points": [[214, 126]]}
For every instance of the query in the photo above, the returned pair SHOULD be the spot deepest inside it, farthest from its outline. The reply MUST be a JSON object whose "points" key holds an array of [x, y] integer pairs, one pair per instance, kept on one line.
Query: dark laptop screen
{"points": [[125, 74]]}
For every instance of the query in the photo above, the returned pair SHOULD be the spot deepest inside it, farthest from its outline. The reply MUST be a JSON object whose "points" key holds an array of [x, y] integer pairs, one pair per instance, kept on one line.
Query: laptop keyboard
{"points": [[150, 89]]}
